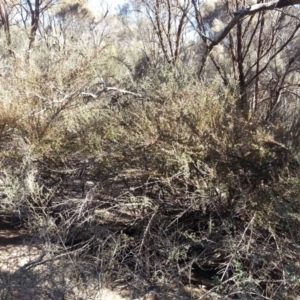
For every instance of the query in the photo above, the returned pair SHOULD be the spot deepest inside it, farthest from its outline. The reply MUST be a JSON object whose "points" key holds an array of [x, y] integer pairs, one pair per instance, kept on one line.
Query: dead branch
{"points": [[238, 16], [107, 89]]}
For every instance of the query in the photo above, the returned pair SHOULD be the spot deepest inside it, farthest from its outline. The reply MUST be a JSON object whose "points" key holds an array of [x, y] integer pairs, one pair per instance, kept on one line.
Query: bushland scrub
{"points": [[144, 177]]}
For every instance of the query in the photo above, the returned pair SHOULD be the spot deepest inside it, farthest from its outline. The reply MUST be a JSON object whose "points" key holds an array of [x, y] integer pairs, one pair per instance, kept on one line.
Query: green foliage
{"points": [[172, 188]]}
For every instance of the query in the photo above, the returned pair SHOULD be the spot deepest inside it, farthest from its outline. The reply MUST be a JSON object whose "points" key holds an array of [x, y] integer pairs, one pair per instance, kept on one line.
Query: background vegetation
{"points": [[134, 162]]}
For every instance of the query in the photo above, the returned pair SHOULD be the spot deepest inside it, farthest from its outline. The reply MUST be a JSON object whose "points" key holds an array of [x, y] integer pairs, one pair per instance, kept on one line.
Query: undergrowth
{"points": [[157, 192]]}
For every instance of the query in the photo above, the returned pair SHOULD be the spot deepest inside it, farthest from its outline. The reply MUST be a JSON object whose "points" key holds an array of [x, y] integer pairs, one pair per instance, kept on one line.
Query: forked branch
{"points": [[238, 16]]}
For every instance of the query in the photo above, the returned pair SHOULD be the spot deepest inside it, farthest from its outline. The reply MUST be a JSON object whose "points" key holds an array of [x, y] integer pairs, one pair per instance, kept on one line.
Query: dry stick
{"points": [[278, 250], [143, 242], [252, 293], [179, 216], [146, 232], [251, 221], [214, 288], [107, 89]]}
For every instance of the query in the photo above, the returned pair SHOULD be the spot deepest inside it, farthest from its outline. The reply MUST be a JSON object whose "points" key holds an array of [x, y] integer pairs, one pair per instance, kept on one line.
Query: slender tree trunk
{"points": [[35, 18], [5, 22], [259, 51], [243, 103]]}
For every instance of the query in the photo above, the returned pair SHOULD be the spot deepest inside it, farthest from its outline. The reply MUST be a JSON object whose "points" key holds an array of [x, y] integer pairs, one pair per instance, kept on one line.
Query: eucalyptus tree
{"points": [[4, 17], [246, 41], [32, 10], [257, 43], [169, 21]]}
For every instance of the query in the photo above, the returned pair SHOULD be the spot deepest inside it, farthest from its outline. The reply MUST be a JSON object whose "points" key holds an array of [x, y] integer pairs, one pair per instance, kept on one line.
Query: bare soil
{"points": [[17, 252]]}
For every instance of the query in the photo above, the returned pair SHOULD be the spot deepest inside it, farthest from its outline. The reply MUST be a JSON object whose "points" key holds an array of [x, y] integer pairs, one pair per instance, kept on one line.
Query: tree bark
{"points": [[35, 18], [6, 25]]}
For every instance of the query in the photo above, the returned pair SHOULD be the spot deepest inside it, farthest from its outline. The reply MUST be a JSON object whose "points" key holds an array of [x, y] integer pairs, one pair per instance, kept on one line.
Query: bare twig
{"points": [[238, 245], [108, 89], [146, 232], [238, 16]]}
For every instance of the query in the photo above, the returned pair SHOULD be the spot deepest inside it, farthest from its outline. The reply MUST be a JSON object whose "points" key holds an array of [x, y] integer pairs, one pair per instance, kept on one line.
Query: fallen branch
{"points": [[108, 89]]}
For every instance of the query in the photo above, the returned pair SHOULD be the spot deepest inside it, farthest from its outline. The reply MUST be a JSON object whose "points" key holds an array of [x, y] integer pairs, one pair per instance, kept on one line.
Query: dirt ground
{"points": [[16, 252]]}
